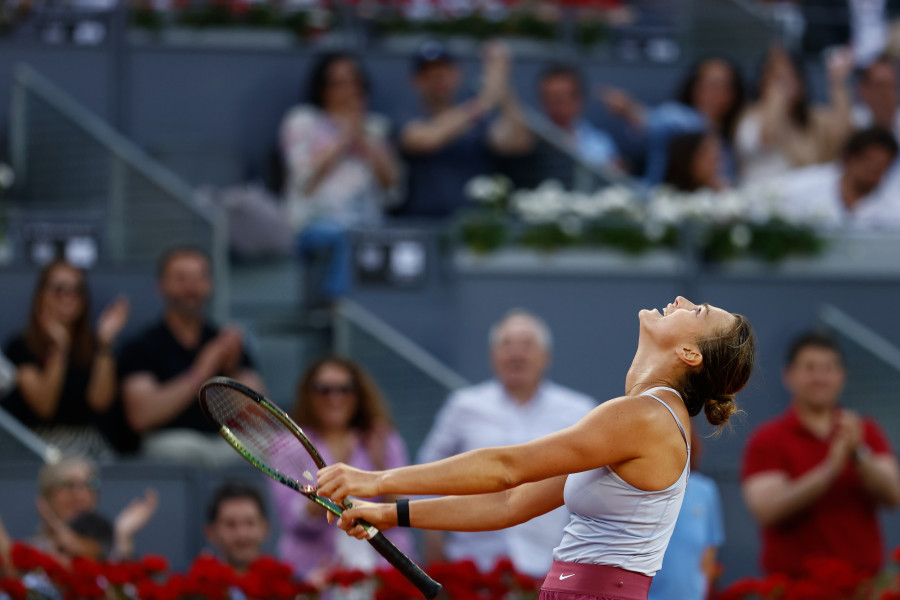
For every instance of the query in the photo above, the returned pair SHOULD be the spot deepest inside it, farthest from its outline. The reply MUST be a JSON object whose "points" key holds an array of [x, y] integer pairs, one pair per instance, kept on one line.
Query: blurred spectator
{"points": [[66, 371], [92, 537], [878, 91], [781, 131], [689, 565], [237, 524], [562, 91], [516, 407], [70, 488], [847, 194], [342, 411], [340, 167], [815, 476], [711, 99], [694, 162], [448, 141], [163, 367]]}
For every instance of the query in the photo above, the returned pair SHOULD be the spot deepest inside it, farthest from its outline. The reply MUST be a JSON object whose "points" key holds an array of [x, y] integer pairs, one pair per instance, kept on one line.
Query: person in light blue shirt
{"points": [[711, 99], [689, 562]]}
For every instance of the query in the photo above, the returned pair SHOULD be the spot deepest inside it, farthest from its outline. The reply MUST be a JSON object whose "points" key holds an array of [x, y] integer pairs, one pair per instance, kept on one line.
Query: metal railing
{"points": [[69, 161], [414, 383], [18, 443], [873, 370]]}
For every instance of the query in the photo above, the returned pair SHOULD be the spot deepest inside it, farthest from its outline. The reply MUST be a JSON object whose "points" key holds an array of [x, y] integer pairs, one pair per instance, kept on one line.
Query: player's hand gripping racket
{"points": [[267, 437]]}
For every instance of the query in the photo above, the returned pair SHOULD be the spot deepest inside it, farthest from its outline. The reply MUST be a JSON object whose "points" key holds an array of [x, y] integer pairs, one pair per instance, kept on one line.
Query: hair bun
{"points": [[719, 409]]}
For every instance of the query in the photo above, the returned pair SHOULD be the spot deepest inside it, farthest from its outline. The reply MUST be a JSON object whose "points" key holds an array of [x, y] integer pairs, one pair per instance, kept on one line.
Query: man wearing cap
{"points": [[448, 142]]}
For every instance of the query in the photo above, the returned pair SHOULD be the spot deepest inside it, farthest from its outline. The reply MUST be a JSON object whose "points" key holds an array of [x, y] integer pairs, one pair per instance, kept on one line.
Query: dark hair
{"points": [[37, 340], [234, 489], [318, 77], [559, 69], [94, 527], [172, 253], [728, 359], [370, 407], [683, 150], [799, 110], [811, 339], [860, 141], [730, 119]]}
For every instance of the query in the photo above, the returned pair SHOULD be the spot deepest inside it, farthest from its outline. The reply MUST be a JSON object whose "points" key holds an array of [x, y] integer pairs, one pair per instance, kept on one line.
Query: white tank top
{"points": [[614, 523]]}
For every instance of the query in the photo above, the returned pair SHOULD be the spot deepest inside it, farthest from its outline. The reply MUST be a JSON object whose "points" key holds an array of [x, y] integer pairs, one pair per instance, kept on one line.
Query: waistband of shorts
{"points": [[597, 580]]}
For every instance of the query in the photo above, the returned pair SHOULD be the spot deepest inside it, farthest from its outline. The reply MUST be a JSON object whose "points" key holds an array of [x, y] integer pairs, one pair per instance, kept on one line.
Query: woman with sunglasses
{"points": [[66, 372], [342, 411]]}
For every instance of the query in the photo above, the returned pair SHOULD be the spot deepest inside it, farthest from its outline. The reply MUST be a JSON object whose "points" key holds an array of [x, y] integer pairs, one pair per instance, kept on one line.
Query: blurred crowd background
{"points": [[364, 208]]}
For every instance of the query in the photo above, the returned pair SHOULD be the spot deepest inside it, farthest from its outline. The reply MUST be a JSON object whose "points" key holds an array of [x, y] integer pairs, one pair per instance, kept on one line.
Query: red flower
{"points": [[153, 563], [13, 587], [24, 557], [889, 595], [896, 554], [347, 578]]}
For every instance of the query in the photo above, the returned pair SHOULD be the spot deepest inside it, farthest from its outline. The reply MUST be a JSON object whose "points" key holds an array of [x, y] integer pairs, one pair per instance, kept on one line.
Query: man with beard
{"points": [[162, 369], [517, 406], [851, 193]]}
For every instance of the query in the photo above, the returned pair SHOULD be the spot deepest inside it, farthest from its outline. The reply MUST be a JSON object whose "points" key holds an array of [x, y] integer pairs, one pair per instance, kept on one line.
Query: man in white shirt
{"points": [[517, 406], [850, 194]]}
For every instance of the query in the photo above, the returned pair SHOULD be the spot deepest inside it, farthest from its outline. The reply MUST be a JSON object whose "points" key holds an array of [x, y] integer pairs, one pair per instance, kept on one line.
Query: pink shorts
{"points": [[579, 581]]}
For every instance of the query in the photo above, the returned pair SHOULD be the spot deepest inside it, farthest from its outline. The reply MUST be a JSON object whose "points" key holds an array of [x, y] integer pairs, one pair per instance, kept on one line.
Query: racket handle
{"points": [[428, 586]]}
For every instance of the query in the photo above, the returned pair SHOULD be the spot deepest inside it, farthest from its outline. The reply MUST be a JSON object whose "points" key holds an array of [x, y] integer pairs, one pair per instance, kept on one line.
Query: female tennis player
{"points": [[621, 471]]}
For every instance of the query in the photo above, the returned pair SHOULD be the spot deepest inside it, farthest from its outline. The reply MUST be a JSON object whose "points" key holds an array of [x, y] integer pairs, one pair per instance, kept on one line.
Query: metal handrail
{"points": [[27, 438], [852, 329], [125, 154], [547, 131], [112, 140], [350, 311]]}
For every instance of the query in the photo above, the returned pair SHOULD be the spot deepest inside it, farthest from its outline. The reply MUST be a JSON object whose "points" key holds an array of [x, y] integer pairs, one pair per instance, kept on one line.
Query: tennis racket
{"points": [[267, 437]]}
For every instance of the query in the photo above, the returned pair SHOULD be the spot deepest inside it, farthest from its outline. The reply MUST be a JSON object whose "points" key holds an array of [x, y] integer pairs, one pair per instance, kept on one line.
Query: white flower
{"points": [[571, 225], [741, 236], [482, 189], [7, 176]]}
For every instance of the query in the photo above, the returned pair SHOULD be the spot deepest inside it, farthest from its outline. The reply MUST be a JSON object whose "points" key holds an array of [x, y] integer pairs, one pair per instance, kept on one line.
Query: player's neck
{"points": [[647, 371]]}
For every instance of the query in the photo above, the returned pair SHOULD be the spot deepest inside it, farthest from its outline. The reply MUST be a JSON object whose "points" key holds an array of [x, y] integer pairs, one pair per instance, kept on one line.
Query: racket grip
{"points": [[428, 586]]}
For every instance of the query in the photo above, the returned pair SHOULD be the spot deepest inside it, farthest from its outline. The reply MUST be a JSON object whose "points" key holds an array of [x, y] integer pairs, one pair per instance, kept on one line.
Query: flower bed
{"points": [[39, 576], [721, 226]]}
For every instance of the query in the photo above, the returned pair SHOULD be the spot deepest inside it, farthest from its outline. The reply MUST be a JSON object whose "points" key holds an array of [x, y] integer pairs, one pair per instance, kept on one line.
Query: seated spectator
{"points": [[340, 167], [848, 194], [690, 561], [781, 131], [70, 488], [92, 537], [164, 366], [694, 163], [449, 141], [66, 371], [815, 477], [516, 406], [237, 524], [711, 99], [342, 412], [561, 91]]}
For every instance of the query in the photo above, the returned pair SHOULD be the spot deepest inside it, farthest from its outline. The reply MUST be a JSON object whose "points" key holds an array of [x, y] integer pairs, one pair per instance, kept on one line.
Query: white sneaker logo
{"points": [[561, 576]]}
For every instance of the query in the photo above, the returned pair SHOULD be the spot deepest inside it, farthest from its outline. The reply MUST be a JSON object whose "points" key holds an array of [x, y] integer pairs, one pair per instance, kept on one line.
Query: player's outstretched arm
{"points": [[480, 512], [614, 432]]}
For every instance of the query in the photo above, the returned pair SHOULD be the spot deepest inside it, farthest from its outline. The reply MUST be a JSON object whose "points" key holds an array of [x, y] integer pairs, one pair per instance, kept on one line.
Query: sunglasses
{"points": [[65, 289], [328, 390]]}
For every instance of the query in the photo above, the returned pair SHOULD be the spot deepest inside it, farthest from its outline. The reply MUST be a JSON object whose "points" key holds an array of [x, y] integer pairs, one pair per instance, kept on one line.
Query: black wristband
{"points": [[403, 512]]}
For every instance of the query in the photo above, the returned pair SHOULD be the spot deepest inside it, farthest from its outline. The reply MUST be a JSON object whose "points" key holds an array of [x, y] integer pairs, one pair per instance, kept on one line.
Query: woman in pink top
{"points": [[341, 410]]}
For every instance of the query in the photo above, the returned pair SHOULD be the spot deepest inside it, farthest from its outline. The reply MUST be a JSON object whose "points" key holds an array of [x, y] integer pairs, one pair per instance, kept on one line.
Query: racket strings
{"points": [[264, 437]]}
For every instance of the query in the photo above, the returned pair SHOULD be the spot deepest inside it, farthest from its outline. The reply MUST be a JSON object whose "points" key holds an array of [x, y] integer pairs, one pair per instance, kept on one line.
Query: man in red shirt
{"points": [[815, 477]]}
